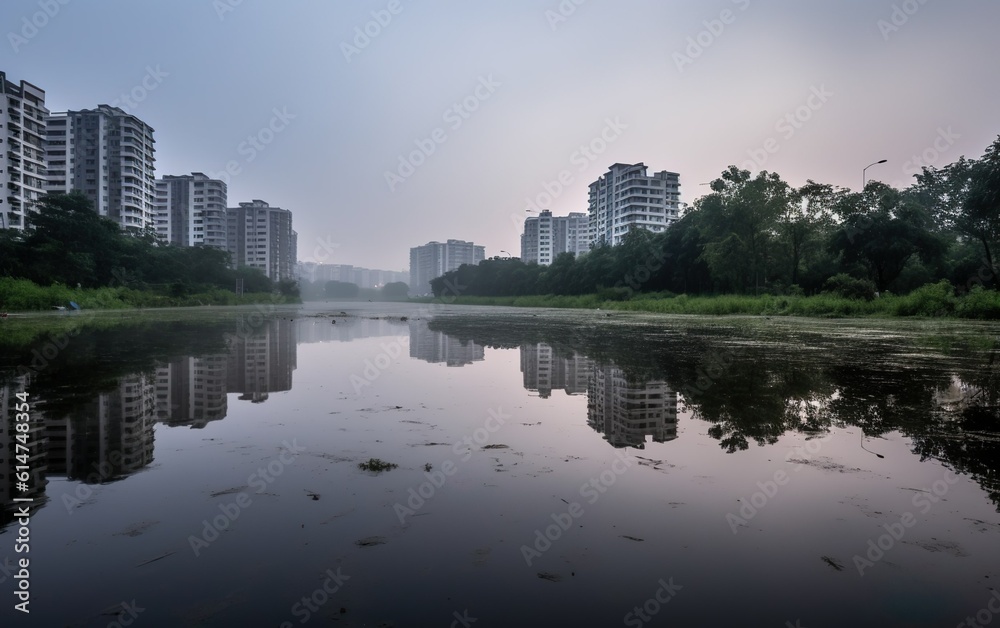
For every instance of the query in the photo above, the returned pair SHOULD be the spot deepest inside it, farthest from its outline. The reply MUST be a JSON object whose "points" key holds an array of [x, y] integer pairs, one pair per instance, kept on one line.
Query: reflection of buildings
{"points": [[626, 411], [192, 391], [261, 362], [108, 437], [435, 347], [322, 329], [545, 370], [36, 442]]}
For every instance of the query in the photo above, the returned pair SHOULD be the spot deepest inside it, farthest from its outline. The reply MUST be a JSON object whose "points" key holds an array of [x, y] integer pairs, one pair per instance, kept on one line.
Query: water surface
{"points": [[554, 468]]}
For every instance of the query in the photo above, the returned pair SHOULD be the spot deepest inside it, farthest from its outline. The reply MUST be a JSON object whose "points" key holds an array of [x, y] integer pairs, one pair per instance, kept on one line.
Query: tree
{"points": [[740, 219], [882, 229], [341, 290], [395, 290]]}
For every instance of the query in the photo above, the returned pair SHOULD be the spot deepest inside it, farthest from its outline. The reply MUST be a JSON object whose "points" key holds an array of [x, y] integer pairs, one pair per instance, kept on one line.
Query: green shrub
{"points": [[979, 303], [850, 287], [935, 299]]}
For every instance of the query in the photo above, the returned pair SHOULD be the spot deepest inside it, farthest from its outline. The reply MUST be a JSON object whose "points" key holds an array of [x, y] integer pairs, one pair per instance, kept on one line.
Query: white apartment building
{"points": [[191, 210], [107, 154], [434, 259], [546, 236], [22, 150], [626, 198], [261, 236]]}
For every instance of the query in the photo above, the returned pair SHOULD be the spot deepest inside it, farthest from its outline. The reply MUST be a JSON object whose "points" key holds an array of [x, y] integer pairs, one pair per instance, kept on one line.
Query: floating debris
{"points": [[370, 541], [376, 465]]}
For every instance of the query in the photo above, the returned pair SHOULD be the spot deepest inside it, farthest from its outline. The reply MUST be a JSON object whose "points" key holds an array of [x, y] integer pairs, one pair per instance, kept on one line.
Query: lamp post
{"points": [[864, 178], [508, 254]]}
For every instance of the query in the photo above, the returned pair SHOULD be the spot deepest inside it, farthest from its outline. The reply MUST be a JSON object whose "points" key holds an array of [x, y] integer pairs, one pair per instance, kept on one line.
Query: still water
{"points": [[555, 468]]}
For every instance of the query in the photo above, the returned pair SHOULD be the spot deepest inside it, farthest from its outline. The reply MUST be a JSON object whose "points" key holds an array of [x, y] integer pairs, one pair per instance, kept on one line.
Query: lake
{"points": [[552, 468]]}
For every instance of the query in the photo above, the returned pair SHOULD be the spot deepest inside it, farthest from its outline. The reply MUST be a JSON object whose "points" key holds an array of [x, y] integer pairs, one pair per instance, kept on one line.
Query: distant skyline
{"points": [[318, 107]]}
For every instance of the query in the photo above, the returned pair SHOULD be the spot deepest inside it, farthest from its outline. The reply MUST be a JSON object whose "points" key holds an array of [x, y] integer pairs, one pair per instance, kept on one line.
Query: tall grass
{"points": [[932, 300], [24, 295]]}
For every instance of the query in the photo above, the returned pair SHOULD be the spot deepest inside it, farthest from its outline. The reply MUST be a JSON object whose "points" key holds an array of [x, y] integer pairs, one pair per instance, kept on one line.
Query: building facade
{"points": [[546, 236], [261, 236], [191, 210], [107, 154], [627, 198], [434, 259], [22, 150]]}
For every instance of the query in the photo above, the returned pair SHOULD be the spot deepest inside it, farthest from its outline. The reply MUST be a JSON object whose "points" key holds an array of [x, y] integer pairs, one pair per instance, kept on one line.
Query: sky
{"points": [[385, 124]]}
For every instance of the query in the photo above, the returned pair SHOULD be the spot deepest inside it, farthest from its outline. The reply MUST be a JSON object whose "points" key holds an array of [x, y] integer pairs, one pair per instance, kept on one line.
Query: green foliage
{"points": [[850, 288], [67, 243], [937, 299], [23, 295], [979, 303], [341, 290], [395, 290]]}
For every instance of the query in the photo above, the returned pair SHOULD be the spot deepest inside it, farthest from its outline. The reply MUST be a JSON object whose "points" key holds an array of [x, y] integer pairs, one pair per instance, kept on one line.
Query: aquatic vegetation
{"points": [[376, 465]]}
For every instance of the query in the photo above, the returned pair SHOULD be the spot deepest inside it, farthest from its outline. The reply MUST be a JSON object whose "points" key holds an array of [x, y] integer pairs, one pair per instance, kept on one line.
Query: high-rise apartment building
{"points": [[191, 210], [261, 236], [22, 150], [434, 259], [626, 198], [107, 154], [546, 236]]}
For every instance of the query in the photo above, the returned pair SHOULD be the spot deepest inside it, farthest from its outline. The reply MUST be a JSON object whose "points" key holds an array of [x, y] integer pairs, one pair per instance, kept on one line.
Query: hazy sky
{"points": [[507, 93]]}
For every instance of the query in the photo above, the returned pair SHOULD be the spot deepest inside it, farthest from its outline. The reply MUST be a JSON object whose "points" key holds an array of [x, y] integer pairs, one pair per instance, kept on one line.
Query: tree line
{"points": [[756, 234], [66, 242]]}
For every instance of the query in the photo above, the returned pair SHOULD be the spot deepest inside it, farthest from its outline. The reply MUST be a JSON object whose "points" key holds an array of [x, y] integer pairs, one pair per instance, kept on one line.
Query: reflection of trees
{"points": [[101, 351], [754, 382]]}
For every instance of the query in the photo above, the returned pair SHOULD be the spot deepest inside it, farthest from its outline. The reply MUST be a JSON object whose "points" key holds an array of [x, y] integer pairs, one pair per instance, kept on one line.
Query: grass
{"points": [[20, 295], [376, 465], [932, 301]]}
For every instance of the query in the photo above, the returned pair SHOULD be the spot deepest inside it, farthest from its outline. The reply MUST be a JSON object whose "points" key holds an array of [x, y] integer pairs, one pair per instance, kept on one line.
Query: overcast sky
{"points": [[503, 95]]}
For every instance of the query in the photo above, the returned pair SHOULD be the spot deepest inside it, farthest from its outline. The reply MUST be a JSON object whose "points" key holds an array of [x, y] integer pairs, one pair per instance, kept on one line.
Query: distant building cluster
{"points": [[624, 198], [434, 259], [546, 236], [362, 277], [107, 154]]}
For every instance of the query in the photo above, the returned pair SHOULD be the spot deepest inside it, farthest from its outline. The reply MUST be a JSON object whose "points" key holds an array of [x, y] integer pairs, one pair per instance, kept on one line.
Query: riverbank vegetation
{"points": [[69, 253], [756, 245]]}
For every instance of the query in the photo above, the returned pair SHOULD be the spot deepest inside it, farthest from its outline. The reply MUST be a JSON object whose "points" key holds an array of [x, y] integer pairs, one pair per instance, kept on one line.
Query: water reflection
{"points": [[94, 408], [439, 348], [624, 408]]}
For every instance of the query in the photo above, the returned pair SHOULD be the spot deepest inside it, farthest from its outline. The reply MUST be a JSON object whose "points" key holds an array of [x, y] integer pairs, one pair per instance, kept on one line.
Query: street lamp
{"points": [[508, 254], [864, 179]]}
